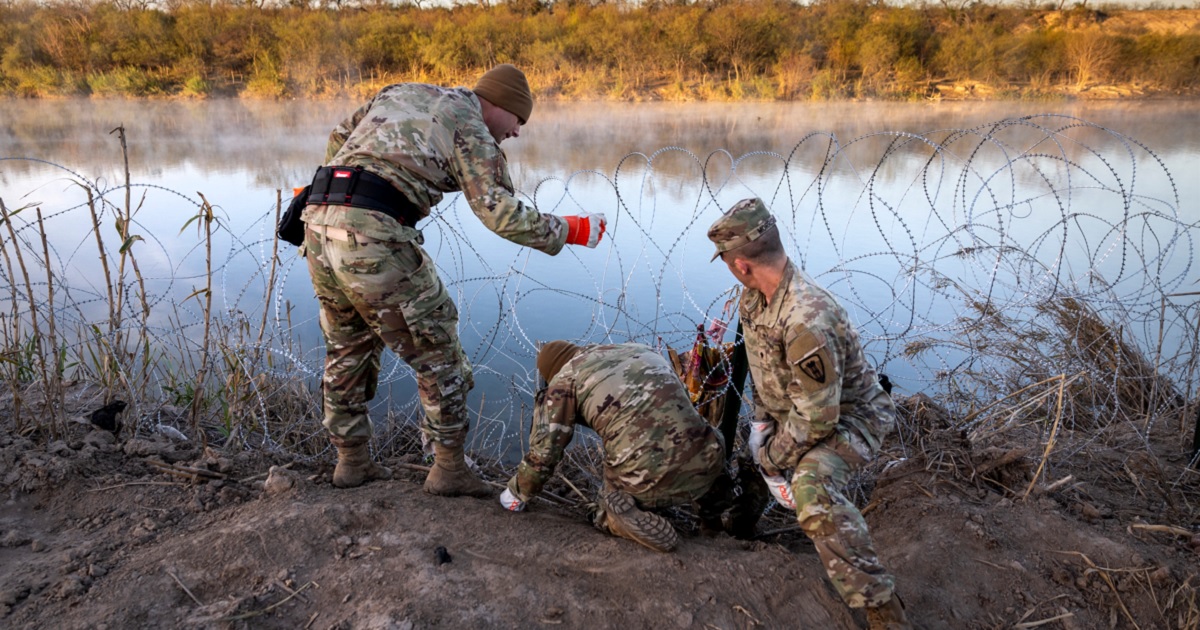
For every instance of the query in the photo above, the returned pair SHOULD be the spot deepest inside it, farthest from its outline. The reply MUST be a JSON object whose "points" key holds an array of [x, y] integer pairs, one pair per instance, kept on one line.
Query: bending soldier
{"points": [[386, 165], [658, 451], [820, 410]]}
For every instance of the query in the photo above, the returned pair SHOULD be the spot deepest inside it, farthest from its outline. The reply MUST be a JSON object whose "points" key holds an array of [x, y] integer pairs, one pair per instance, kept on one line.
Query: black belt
{"points": [[355, 186]]}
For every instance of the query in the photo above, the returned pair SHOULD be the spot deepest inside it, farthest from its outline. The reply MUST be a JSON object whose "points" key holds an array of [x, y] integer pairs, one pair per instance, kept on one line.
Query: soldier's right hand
{"points": [[511, 502]]}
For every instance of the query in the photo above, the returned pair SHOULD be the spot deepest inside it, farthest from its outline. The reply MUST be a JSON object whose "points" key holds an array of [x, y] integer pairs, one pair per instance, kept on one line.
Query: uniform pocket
{"points": [[436, 327]]}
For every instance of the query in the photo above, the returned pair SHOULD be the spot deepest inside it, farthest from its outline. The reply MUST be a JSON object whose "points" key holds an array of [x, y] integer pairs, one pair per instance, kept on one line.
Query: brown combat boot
{"points": [[620, 516], [888, 616], [354, 465], [450, 476]]}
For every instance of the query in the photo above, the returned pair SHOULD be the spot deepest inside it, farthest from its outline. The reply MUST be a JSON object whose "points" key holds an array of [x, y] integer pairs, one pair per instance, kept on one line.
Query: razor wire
{"points": [[920, 236]]}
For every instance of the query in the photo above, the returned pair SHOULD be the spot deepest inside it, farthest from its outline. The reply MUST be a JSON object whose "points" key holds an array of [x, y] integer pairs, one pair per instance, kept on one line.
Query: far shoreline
{"points": [[960, 91]]}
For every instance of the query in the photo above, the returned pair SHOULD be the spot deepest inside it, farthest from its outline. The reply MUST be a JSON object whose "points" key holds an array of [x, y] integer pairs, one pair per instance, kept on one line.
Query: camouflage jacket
{"points": [[809, 370], [631, 397], [426, 141]]}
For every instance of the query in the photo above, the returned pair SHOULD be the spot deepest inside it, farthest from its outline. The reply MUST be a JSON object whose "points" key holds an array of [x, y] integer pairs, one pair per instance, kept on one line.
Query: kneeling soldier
{"points": [[658, 451]]}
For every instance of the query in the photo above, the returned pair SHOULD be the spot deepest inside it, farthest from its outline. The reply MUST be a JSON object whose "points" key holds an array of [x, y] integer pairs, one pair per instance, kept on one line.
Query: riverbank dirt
{"points": [[101, 532]]}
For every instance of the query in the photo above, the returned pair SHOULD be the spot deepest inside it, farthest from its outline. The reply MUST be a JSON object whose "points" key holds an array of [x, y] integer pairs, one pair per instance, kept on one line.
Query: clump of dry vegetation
{"points": [[744, 50]]}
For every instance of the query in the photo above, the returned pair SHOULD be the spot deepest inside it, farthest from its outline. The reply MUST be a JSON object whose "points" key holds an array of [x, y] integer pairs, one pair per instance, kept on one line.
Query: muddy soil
{"points": [[102, 532]]}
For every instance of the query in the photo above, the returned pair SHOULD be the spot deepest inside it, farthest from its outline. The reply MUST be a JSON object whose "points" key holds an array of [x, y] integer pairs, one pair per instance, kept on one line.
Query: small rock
{"points": [[279, 480], [37, 546], [9, 597], [143, 448], [229, 494], [58, 447], [170, 432], [13, 538], [1160, 576], [96, 571], [1060, 575], [71, 587], [99, 438], [1089, 511]]}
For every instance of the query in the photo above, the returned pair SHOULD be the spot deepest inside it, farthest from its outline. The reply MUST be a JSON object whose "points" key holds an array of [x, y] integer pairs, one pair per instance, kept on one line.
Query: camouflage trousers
{"points": [[835, 525], [682, 485], [374, 294]]}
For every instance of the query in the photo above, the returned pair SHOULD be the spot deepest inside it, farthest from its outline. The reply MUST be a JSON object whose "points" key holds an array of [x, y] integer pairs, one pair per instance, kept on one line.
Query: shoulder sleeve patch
{"points": [[808, 353]]}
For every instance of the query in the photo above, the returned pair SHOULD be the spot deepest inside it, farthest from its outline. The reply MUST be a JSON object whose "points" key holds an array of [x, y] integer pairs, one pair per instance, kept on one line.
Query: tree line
{"points": [[700, 50]]}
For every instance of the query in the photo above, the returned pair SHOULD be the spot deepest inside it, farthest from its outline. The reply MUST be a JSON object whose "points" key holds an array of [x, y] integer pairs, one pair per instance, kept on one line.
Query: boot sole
{"points": [[645, 528]]}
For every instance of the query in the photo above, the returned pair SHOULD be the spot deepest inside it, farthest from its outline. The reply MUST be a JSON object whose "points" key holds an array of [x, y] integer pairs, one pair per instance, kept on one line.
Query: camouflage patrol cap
{"points": [[747, 220], [505, 87]]}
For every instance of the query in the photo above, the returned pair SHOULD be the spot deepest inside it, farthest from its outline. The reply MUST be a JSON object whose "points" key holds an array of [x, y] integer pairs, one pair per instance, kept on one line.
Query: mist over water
{"points": [[271, 144], [876, 200]]}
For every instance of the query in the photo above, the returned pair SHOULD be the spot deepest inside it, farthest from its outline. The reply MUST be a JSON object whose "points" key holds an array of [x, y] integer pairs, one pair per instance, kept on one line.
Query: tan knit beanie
{"points": [[553, 356], [505, 86]]}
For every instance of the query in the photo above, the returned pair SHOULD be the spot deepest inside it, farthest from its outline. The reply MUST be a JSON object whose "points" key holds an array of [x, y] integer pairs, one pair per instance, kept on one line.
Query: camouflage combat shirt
{"points": [[809, 370], [426, 141], [631, 397]]}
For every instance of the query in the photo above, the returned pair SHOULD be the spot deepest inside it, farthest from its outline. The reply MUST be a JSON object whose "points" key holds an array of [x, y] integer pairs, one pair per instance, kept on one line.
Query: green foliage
{"points": [[723, 49], [195, 86], [22, 361], [124, 81], [266, 79]]}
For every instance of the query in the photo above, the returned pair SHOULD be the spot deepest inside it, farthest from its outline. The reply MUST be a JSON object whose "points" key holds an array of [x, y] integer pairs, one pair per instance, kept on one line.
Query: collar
{"points": [[771, 312]]}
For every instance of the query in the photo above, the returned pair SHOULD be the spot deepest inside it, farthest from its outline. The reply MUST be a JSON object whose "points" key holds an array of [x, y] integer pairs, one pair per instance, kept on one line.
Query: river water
{"points": [[906, 211]]}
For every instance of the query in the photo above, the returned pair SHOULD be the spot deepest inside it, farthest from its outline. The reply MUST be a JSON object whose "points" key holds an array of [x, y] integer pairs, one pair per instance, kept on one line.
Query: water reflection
{"points": [[279, 142], [903, 210]]}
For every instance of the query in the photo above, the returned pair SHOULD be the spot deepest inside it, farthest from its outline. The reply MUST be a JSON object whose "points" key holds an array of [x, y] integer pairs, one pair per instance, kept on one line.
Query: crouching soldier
{"points": [[658, 451], [821, 410]]}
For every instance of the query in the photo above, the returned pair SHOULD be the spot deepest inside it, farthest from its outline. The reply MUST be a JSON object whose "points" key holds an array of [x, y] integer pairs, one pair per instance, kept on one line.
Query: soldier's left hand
{"points": [[586, 229], [511, 502]]}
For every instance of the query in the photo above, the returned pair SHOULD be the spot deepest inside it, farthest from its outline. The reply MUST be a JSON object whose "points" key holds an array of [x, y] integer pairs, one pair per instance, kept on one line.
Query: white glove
{"points": [[585, 229], [511, 502], [781, 490], [760, 430]]}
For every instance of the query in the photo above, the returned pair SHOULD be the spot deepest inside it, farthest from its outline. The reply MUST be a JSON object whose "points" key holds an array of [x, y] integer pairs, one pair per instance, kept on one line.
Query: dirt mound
{"points": [[100, 533]]}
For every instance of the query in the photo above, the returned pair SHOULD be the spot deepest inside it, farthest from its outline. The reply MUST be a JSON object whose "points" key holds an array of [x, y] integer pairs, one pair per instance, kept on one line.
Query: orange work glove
{"points": [[585, 229]]}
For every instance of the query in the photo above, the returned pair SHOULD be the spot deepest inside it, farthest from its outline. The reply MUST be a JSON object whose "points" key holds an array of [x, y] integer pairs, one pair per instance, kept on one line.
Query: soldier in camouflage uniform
{"points": [[658, 451], [820, 410], [378, 287]]}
